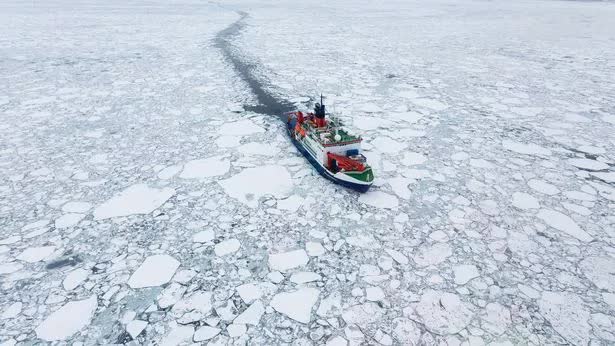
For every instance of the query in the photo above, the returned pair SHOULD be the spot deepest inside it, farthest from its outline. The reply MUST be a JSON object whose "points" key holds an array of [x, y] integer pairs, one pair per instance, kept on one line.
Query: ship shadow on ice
{"points": [[267, 102]]}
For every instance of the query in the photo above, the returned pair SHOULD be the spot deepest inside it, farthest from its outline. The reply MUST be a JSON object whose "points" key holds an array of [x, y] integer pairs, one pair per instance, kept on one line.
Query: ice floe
{"points": [[443, 313], [543, 187], [227, 247], [36, 254], [379, 199], [156, 270], [431, 255], [135, 327], [563, 223], [567, 315], [524, 201], [75, 278], [252, 183], [68, 220], [288, 260], [464, 273], [252, 315], [136, 199], [240, 128], [206, 333], [205, 168], [600, 271], [587, 164], [67, 320], [523, 148], [297, 304]]}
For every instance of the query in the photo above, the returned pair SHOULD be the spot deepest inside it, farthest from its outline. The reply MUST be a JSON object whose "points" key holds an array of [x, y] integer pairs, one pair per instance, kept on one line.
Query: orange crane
{"points": [[343, 162]]}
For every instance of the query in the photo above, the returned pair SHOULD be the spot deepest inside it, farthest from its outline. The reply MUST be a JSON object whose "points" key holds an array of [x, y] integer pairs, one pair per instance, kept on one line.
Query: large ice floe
{"points": [[136, 199], [252, 183], [149, 194]]}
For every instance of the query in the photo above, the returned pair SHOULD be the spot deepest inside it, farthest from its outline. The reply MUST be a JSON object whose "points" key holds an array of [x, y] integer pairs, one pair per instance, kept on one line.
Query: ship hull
{"points": [[343, 181]]}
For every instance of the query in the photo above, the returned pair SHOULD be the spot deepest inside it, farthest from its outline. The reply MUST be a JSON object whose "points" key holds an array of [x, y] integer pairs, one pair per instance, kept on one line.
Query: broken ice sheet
{"points": [[136, 199], [252, 183]]}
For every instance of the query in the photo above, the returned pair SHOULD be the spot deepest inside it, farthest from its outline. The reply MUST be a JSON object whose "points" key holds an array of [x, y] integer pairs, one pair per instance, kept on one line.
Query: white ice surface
{"points": [[136, 199], [288, 260], [205, 168], [563, 223], [67, 320], [296, 304], [155, 270], [252, 183]]}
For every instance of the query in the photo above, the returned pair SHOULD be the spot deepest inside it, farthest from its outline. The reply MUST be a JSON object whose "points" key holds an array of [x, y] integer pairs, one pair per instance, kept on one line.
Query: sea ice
{"points": [[35, 254], [255, 148], [363, 314], [252, 315], [76, 207], [337, 341], [600, 271], [252, 183], [179, 335], [205, 168], [136, 199], [379, 199], [411, 159], [249, 292], [304, 277], [528, 149], [205, 333], [156, 270], [75, 278], [397, 256], [464, 273], [288, 260], [587, 164], [236, 330], [563, 223], [524, 201], [608, 177], [567, 315], [11, 267], [543, 187], [496, 318], [399, 185], [227, 247], [432, 255], [388, 145], [169, 172], [240, 128], [374, 294], [67, 320], [314, 248], [135, 327], [198, 305], [12, 311], [443, 313], [297, 304], [68, 220], [206, 236]]}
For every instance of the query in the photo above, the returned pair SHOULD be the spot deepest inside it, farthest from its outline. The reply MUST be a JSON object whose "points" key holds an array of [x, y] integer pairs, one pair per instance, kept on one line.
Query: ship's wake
{"points": [[267, 102]]}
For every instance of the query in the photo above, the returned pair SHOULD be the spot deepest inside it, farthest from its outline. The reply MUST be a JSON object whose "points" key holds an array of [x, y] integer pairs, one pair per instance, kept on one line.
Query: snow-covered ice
{"points": [[252, 183], [136, 199], [150, 194], [227, 247], [296, 304], [288, 260], [563, 223], [155, 270], [67, 320], [205, 168]]}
